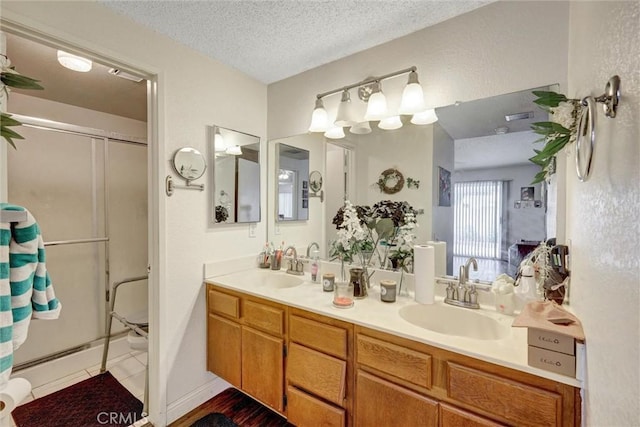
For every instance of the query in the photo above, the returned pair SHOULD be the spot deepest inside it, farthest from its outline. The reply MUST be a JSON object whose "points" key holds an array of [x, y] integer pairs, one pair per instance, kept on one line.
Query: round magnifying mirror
{"points": [[315, 181], [189, 163]]}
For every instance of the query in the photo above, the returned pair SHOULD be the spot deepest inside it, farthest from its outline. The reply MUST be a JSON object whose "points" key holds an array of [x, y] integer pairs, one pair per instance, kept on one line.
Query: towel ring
{"points": [[586, 128]]}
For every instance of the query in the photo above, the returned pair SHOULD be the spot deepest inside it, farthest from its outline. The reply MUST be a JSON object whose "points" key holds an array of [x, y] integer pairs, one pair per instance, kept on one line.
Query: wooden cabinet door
{"points": [[304, 410], [450, 416], [224, 349], [382, 403], [263, 367]]}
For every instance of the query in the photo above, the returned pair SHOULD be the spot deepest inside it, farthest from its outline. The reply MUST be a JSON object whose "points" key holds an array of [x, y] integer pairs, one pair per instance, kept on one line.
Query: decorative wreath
{"points": [[391, 181]]}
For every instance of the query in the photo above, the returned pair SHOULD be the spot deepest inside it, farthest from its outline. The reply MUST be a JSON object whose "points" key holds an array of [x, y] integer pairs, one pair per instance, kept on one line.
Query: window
{"points": [[477, 229]]}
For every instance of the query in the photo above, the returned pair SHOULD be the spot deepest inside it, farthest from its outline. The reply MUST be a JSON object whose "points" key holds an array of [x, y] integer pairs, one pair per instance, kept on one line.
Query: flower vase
{"points": [[358, 280]]}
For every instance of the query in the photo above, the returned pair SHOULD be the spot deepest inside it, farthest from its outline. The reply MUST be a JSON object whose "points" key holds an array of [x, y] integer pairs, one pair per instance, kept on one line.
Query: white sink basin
{"points": [[462, 322], [263, 278]]}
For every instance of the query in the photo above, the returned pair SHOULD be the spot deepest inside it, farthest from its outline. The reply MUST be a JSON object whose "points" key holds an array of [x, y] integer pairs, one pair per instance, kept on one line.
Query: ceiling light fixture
{"points": [[74, 62], [219, 143], [370, 91], [519, 116], [234, 150]]}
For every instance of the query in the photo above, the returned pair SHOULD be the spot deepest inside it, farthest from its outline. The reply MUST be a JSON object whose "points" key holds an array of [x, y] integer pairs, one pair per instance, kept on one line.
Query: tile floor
{"points": [[128, 369]]}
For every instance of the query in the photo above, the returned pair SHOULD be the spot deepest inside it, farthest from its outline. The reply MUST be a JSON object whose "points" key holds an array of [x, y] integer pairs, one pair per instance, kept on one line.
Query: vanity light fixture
{"points": [[319, 118], [361, 128], [425, 117], [346, 111], [74, 62], [390, 123], [412, 96], [335, 132], [501, 130], [370, 91], [234, 150], [377, 104]]}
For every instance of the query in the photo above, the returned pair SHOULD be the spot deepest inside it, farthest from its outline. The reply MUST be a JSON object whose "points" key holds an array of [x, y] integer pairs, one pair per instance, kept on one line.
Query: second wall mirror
{"points": [[236, 176], [292, 176]]}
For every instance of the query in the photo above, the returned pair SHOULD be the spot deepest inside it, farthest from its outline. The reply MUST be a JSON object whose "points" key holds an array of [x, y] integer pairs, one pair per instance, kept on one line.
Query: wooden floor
{"points": [[238, 407]]}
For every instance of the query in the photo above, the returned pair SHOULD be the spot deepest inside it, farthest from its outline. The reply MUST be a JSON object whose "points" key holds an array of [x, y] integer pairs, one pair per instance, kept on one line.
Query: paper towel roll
{"points": [[440, 257], [15, 392], [424, 273]]}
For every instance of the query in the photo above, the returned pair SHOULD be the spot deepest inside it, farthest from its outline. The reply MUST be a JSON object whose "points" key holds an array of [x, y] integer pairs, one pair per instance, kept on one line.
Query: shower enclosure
{"points": [[87, 189]]}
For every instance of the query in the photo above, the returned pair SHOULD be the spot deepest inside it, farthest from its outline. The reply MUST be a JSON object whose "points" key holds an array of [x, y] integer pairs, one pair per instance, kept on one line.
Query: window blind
{"points": [[477, 227]]}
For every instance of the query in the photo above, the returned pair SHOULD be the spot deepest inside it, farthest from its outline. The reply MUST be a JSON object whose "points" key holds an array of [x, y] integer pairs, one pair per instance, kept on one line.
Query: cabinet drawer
{"points": [[381, 403], [322, 375], [264, 317], [305, 410], [401, 362], [516, 402], [450, 416], [326, 338], [225, 304]]}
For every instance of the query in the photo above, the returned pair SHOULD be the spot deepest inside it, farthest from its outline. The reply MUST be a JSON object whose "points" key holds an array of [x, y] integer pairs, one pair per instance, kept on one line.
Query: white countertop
{"points": [[510, 352]]}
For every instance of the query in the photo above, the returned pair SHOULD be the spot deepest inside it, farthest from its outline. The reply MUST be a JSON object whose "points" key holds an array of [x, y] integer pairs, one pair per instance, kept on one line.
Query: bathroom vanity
{"points": [[285, 345]]}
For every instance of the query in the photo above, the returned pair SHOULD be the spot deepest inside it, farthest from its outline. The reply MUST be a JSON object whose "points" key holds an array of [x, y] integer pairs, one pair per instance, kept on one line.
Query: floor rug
{"points": [[233, 406], [98, 401]]}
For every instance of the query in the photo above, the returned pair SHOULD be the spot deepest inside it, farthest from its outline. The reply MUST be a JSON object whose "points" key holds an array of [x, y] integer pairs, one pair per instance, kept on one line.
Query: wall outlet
{"points": [[252, 229]]}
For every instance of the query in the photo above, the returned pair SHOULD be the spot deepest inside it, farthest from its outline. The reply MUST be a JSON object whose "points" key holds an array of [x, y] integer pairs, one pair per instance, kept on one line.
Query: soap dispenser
{"points": [[315, 265]]}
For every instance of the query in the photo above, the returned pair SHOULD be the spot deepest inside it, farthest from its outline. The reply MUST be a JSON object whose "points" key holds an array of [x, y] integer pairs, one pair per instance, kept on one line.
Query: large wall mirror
{"points": [[293, 183], [453, 161], [236, 176]]}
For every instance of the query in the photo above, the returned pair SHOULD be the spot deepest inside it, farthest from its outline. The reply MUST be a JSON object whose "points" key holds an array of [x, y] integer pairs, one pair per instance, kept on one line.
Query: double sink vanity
{"points": [[279, 338]]}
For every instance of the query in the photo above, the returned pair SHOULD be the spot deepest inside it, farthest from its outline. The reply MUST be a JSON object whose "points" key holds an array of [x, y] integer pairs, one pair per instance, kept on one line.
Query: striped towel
{"points": [[25, 287]]}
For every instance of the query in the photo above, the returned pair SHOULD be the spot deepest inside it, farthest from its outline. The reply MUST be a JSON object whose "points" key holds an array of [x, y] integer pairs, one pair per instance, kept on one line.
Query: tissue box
{"points": [[552, 341], [553, 361]]}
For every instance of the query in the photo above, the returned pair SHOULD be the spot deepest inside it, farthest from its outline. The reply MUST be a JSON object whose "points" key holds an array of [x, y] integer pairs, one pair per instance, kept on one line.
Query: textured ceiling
{"points": [[273, 40]]}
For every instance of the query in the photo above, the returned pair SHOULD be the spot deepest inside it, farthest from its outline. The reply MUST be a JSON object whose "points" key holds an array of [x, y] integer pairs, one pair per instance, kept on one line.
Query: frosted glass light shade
{"points": [[346, 111], [390, 123], [74, 62], [412, 97], [376, 107], [361, 128], [235, 150], [319, 118], [219, 143], [425, 117], [336, 132]]}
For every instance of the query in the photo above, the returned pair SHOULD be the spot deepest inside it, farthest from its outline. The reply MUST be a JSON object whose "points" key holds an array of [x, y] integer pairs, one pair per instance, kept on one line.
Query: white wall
{"points": [[442, 216], [500, 48], [603, 214], [193, 92], [409, 150]]}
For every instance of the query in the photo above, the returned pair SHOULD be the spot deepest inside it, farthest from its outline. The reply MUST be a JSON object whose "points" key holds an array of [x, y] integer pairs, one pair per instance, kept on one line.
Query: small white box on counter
{"points": [[552, 341], [553, 361]]}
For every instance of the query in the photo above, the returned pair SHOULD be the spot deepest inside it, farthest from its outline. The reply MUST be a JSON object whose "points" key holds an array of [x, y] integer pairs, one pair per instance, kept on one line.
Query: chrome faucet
{"points": [[295, 267], [311, 245], [463, 295]]}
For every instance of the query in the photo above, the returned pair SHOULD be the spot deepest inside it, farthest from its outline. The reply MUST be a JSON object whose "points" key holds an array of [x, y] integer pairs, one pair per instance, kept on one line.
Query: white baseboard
{"points": [[194, 399]]}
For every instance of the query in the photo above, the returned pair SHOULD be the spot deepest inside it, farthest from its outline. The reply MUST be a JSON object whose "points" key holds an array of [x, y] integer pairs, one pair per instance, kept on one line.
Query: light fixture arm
{"points": [[367, 81]]}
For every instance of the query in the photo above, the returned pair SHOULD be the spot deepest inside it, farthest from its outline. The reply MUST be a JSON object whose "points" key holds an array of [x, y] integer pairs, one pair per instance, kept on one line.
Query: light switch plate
{"points": [[252, 229]]}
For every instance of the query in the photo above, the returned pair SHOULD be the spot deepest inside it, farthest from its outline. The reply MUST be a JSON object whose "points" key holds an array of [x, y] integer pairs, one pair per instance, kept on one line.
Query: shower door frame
{"points": [[95, 135]]}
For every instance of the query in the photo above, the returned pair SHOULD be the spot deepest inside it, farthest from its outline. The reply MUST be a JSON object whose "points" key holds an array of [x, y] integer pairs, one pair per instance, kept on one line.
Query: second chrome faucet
{"points": [[463, 295]]}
